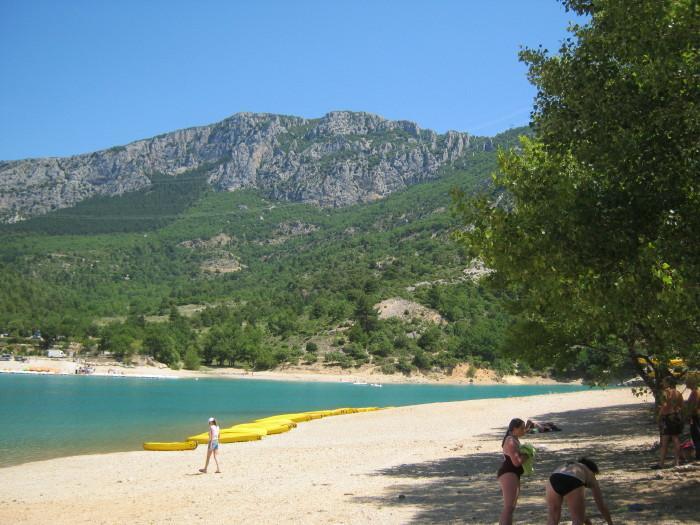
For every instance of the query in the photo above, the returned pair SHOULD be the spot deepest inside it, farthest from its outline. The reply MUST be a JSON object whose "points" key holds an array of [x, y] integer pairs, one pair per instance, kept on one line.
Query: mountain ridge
{"points": [[339, 159]]}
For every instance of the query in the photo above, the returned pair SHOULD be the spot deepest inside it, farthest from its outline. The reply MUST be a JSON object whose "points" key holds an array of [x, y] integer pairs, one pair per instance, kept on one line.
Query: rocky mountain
{"points": [[340, 159]]}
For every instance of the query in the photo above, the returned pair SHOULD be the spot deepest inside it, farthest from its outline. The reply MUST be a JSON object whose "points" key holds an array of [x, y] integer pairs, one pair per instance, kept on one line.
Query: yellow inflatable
{"points": [[321, 413], [297, 418], [674, 365], [257, 429], [238, 437], [276, 419], [229, 436], [270, 427], [261, 431], [178, 445]]}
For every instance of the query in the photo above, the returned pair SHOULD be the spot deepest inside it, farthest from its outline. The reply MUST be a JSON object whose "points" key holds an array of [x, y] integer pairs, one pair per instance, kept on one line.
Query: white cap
{"points": [[211, 419]]}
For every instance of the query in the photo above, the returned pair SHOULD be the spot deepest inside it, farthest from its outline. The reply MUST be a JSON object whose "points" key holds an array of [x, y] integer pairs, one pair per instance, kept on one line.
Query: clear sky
{"points": [[82, 75]]}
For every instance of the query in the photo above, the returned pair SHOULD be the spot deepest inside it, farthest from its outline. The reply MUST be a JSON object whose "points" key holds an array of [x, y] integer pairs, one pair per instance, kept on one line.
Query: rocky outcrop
{"points": [[218, 241], [340, 159]]}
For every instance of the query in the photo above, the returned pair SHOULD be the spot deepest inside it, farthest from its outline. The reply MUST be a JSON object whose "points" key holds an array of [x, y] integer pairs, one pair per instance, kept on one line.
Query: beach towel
{"points": [[529, 463]]}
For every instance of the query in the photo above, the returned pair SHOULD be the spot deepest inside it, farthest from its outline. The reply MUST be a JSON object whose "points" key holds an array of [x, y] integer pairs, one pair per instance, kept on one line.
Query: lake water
{"points": [[43, 417]]}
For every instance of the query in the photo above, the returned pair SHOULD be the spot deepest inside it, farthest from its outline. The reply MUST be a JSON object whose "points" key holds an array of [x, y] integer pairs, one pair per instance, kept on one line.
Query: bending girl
{"points": [[568, 483]]}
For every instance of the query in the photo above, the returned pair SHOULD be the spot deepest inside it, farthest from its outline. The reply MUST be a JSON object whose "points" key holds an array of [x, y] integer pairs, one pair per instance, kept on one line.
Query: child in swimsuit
{"points": [[213, 447], [568, 483]]}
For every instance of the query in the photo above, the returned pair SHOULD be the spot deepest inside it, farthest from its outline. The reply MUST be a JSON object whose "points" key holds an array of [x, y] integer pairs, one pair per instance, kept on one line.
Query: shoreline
{"points": [[422, 463], [65, 366]]}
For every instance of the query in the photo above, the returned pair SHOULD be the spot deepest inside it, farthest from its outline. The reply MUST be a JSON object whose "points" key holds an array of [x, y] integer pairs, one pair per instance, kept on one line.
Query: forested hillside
{"points": [[260, 282]]}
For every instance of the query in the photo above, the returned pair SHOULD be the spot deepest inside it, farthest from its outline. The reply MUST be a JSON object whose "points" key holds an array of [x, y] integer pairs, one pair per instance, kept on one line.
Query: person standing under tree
{"points": [[670, 421], [692, 410]]}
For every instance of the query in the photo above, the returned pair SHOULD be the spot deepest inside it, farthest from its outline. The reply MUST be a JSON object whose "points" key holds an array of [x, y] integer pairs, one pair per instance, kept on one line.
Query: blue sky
{"points": [[79, 76]]}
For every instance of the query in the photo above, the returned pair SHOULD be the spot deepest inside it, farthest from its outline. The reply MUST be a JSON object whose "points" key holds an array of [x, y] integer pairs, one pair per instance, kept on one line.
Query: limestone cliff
{"points": [[339, 159]]}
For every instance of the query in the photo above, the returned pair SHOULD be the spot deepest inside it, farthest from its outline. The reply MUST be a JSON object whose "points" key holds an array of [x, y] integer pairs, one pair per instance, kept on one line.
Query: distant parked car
{"points": [[20, 358], [5, 357], [55, 353]]}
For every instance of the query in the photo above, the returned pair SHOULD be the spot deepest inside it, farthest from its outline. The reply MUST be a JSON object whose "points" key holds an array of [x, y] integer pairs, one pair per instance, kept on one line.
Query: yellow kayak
{"points": [[315, 415], [270, 427], [344, 411], [277, 419], [249, 427], [227, 437], [297, 418], [275, 427], [239, 438], [176, 445]]}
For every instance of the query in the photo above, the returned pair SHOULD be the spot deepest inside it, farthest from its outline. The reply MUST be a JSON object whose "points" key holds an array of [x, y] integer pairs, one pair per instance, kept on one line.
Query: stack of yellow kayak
{"points": [[257, 429], [269, 427], [230, 436]]}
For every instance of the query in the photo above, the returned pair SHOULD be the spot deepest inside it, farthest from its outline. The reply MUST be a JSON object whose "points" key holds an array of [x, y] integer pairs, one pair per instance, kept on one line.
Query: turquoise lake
{"points": [[43, 417]]}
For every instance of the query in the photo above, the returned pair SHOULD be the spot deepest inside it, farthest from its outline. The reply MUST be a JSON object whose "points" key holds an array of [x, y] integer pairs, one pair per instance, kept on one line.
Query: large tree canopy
{"points": [[595, 222]]}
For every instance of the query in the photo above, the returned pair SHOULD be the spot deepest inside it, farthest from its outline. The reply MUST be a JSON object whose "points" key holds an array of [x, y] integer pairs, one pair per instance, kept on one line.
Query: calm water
{"points": [[50, 416]]}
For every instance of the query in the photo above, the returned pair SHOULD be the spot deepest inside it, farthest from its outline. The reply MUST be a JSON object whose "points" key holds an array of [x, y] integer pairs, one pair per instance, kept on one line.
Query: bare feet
{"points": [[217, 472], [203, 470]]}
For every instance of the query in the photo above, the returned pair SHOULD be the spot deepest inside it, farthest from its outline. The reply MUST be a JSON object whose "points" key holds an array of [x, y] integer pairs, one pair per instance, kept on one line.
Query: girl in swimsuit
{"points": [[568, 483], [511, 469], [671, 421], [213, 447]]}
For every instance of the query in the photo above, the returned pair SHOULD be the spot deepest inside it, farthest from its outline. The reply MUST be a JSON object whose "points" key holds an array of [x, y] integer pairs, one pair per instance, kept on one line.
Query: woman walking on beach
{"points": [[213, 447], [670, 420], [511, 469], [568, 483], [692, 407]]}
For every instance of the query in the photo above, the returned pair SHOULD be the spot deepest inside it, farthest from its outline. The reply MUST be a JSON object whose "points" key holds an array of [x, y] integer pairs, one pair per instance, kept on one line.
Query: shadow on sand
{"points": [[465, 490]]}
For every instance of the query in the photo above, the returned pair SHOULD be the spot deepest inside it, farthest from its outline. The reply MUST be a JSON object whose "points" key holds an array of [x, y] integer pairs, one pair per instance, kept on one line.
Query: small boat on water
{"points": [[376, 385]]}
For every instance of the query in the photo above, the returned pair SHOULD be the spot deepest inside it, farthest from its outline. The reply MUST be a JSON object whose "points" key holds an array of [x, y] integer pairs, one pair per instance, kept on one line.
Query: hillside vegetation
{"points": [[274, 282]]}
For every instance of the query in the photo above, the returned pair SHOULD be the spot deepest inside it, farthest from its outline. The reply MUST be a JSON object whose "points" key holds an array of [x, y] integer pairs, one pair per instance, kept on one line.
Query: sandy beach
{"points": [[420, 464], [315, 373]]}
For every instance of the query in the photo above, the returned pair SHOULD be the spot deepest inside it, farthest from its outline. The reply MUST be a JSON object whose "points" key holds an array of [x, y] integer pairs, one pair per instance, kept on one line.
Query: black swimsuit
{"points": [[507, 466], [564, 483]]}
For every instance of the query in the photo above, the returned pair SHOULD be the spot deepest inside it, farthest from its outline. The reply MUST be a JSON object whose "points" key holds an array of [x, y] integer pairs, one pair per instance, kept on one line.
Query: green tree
{"points": [[191, 360], [160, 344], [365, 314], [595, 232], [430, 339]]}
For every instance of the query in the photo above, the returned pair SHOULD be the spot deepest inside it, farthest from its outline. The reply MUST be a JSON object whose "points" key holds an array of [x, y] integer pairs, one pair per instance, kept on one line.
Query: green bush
{"points": [[445, 360], [404, 366], [311, 347], [338, 359], [192, 361], [388, 368], [264, 360], [381, 346], [422, 361], [310, 359]]}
